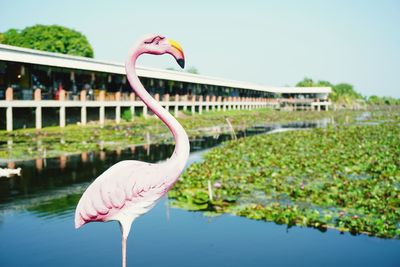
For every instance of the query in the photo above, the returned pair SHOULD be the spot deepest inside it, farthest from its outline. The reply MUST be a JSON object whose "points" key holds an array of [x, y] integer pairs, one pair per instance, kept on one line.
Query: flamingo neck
{"points": [[180, 155]]}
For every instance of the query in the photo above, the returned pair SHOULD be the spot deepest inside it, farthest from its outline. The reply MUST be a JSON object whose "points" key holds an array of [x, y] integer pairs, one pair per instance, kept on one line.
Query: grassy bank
{"points": [[345, 177], [54, 141]]}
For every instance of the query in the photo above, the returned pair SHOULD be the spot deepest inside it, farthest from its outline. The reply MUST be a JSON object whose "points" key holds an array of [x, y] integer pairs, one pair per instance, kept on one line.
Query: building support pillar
{"points": [[38, 117], [145, 111], [132, 107], [219, 100], [62, 108], [62, 116], [200, 104], [176, 106], [118, 108], [185, 99], [9, 111], [166, 100], [83, 108], [9, 118], [193, 106], [102, 108], [38, 110]]}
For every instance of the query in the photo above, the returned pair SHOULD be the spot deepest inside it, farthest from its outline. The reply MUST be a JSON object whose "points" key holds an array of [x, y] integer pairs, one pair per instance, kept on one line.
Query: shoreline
{"points": [[28, 144]]}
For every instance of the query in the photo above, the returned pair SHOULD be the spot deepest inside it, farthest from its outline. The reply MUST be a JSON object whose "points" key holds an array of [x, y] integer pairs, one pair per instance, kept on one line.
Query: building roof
{"points": [[31, 56]]}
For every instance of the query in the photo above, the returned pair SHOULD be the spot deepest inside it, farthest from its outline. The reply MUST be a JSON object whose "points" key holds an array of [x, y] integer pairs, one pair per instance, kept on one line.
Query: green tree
{"points": [[192, 70], [375, 100], [52, 38], [391, 100], [384, 100], [342, 92], [346, 89], [324, 84], [306, 82]]}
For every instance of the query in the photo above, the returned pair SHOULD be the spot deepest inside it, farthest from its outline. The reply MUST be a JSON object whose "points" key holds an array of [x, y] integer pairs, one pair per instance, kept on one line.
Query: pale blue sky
{"points": [[267, 42]]}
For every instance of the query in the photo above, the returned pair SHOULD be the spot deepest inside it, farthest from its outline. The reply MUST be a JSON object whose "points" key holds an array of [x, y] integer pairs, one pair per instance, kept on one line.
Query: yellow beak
{"points": [[177, 52], [175, 44]]}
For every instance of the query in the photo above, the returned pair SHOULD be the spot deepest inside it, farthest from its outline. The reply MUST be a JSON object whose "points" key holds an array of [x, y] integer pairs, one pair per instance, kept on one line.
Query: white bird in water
{"points": [[9, 172]]}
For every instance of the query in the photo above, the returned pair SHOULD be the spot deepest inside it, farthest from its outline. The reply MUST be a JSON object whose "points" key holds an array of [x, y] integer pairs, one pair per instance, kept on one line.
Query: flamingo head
{"points": [[159, 45]]}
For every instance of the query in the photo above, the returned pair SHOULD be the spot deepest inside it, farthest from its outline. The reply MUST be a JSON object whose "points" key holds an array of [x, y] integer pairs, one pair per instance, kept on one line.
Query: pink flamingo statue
{"points": [[131, 188]]}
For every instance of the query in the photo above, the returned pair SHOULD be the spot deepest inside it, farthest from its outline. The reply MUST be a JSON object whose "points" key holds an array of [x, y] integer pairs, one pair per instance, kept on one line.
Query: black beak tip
{"points": [[181, 62]]}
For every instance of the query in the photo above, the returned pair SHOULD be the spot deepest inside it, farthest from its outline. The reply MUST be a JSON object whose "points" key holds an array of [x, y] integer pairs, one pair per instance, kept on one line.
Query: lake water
{"points": [[37, 228]]}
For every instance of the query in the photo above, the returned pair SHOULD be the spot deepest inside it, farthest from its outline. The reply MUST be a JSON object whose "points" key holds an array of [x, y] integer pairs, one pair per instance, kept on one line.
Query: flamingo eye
{"points": [[155, 40]]}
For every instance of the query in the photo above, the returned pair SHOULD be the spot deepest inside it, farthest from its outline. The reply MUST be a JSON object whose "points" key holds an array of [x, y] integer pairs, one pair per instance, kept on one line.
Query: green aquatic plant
{"points": [[345, 177], [25, 144]]}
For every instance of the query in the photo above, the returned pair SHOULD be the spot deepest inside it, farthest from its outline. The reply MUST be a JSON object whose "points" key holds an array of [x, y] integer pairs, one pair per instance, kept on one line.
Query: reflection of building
{"points": [[36, 80]]}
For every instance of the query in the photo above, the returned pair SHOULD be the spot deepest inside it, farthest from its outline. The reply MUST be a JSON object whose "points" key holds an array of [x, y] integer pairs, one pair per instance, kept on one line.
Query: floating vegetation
{"points": [[344, 177], [55, 141]]}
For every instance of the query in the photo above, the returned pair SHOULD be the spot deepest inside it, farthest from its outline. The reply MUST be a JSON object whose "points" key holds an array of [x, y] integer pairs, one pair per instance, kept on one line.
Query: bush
{"points": [[127, 115]]}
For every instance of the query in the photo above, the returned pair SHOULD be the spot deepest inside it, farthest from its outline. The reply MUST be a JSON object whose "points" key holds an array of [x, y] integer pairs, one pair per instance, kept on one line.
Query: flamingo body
{"points": [[130, 188], [125, 191]]}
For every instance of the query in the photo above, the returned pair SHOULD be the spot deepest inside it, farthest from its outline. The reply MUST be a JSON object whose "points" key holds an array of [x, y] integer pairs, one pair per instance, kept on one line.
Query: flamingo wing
{"points": [[128, 188]]}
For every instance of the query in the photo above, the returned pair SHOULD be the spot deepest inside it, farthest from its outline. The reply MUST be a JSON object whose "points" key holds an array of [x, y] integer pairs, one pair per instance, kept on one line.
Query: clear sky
{"points": [[268, 42]]}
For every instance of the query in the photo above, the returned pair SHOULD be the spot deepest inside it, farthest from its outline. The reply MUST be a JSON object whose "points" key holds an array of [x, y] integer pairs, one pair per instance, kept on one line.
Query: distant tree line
{"points": [[344, 93], [192, 70], [51, 38], [383, 100]]}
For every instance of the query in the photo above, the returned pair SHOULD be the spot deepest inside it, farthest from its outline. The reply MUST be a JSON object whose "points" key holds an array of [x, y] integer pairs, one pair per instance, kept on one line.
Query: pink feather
{"points": [[129, 188]]}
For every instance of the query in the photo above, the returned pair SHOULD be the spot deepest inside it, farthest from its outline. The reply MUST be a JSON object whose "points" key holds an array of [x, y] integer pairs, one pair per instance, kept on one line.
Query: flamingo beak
{"points": [[177, 52]]}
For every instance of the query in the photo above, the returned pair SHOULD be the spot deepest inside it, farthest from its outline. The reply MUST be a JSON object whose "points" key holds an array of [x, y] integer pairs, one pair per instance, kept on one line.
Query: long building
{"points": [[35, 80]]}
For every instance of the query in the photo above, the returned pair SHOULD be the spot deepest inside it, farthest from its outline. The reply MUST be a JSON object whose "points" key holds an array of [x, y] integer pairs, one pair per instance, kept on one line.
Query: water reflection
{"points": [[51, 187], [39, 164], [36, 222]]}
